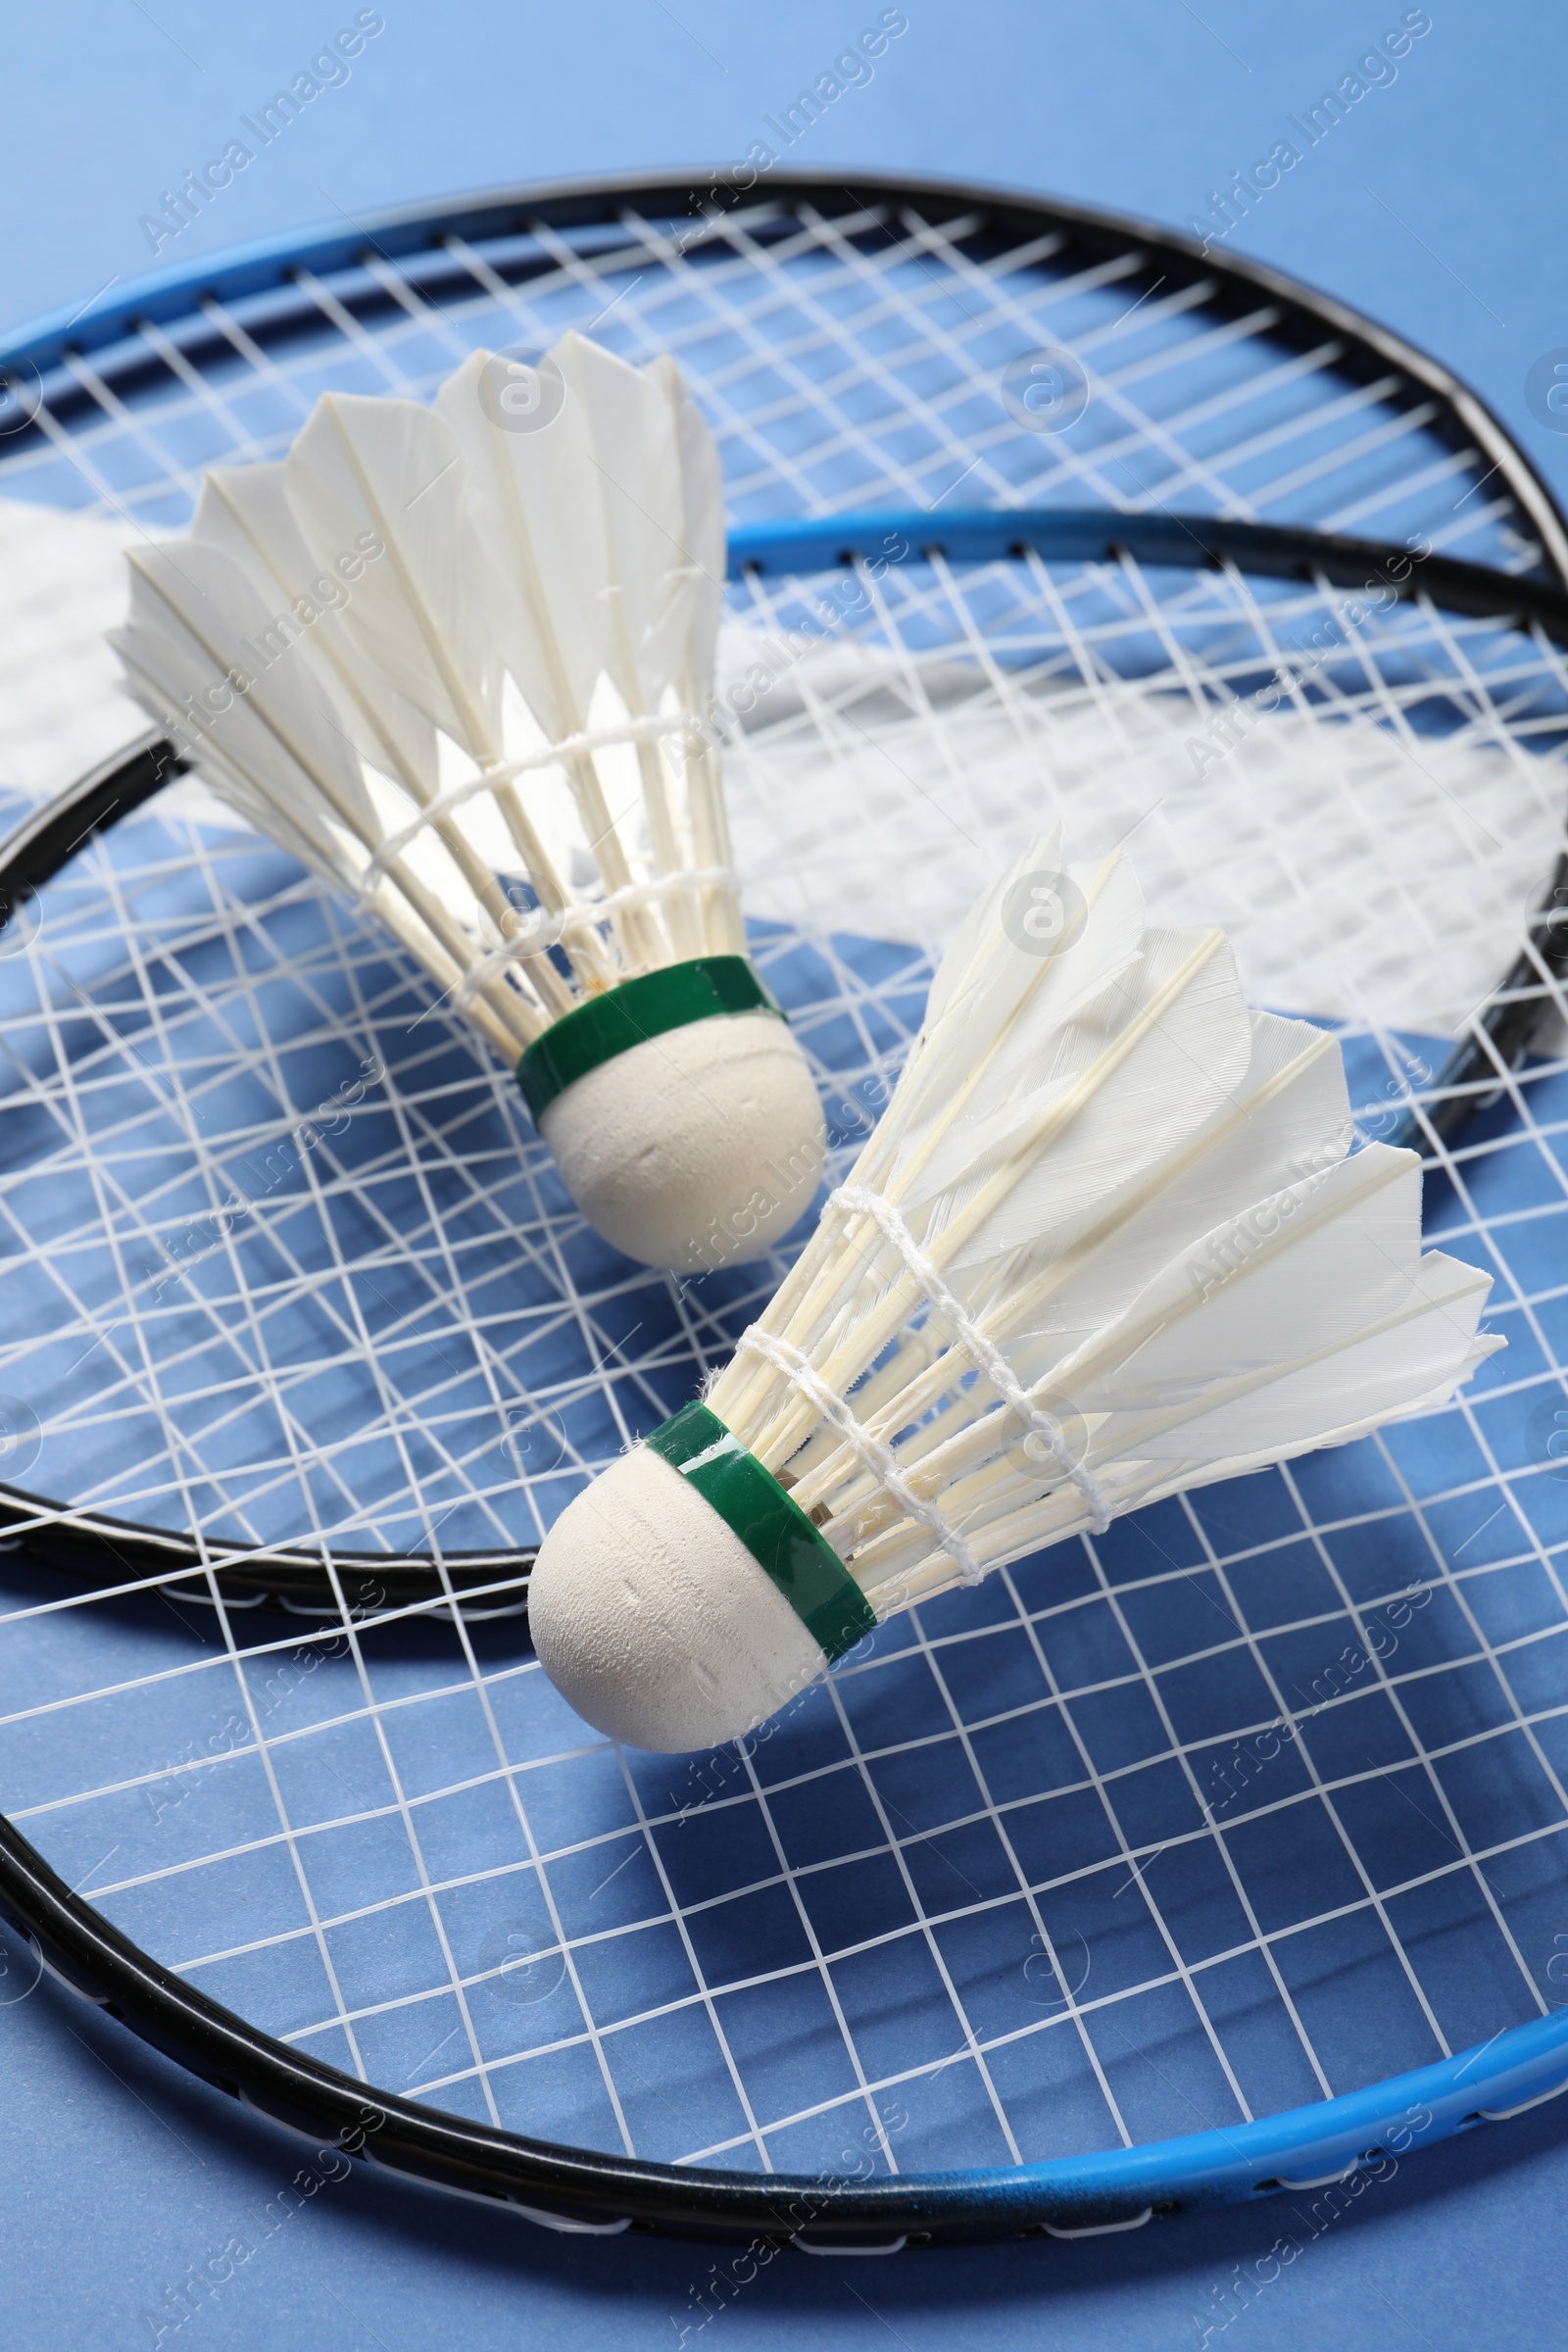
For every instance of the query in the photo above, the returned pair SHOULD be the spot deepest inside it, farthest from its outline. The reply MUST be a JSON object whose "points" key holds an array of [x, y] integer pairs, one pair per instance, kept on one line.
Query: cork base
{"points": [[697, 1149], [654, 1621]]}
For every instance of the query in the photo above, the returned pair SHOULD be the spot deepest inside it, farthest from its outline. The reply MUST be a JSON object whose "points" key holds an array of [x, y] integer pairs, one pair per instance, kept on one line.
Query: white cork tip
{"points": [[697, 1149], [654, 1621]]}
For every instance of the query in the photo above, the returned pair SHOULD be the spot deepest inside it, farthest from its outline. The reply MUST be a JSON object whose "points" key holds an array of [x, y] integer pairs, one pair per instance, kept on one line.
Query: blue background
{"points": [[1436, 206]]}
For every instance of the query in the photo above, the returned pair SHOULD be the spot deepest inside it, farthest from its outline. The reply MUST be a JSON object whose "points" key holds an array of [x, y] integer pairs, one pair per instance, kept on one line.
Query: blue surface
{"points": [[1435, 206]]}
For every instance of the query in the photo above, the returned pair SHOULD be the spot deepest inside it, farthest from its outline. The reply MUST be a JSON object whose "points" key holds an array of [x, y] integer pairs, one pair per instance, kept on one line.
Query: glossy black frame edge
{"points": [[36, 849], [93, 1548], [566, 2189]]}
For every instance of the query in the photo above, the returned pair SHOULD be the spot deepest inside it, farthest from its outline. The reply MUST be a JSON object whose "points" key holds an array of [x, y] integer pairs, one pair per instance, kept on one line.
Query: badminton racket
{"points": [[1218, 1856]]}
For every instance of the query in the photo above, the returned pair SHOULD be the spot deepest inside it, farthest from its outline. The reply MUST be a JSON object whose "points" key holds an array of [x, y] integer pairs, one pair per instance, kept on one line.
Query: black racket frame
{"points": [[563, 2188]]}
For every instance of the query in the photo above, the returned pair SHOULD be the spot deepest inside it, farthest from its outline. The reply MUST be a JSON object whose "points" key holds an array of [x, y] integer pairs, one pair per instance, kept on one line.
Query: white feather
{"points": [[244, 512], [1008, 1024], [1183, 1011], [281, 753], [447, 599], [368, 475], [595, 517], [196, 621], [1140, 1195], [1297, 1276], [703, 548], [464, 672]]}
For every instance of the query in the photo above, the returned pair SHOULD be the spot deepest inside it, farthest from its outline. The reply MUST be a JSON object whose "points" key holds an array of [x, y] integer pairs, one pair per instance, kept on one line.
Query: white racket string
{"points": [[1249, 1800]]}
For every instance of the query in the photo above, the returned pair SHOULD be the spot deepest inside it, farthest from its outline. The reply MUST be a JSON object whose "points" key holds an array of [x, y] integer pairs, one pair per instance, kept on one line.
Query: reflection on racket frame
{"points": [[1117, 1887]]}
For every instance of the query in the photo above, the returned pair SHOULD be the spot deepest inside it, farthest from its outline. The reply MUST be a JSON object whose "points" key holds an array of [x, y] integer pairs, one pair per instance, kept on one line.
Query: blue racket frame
{"points": [[562, 2189]]}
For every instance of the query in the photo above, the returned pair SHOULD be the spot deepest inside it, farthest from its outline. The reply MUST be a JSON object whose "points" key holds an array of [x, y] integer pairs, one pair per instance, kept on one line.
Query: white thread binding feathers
{"points": [[455, 659], [1108, 1242]]}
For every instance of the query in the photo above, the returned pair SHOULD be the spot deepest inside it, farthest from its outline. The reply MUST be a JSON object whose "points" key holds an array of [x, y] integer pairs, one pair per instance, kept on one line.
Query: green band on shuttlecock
{"points": [[775, 1530], [601, 1027]]}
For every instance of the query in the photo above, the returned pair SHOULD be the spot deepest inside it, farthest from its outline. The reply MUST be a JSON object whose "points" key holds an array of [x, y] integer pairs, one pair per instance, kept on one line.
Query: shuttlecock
{"points": [[1110, 1242], [459, 661]]}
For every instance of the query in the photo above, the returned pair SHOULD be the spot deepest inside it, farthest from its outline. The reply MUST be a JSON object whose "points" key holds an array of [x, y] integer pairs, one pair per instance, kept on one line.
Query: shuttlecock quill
{"points": [[1110, 1242], [459, 660]]}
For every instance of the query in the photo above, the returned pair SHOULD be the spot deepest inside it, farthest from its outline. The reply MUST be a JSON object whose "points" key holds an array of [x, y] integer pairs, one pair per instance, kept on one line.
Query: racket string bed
{"points": [[1132, 1860], [1227, 1814], [1072, 2007], [802, 294]]}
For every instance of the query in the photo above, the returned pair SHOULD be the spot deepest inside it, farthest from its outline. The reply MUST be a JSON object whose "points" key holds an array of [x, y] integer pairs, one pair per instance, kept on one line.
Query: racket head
{"points": [[849, 336], [971, 1940]]}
